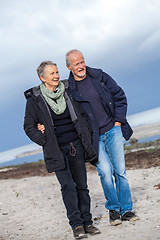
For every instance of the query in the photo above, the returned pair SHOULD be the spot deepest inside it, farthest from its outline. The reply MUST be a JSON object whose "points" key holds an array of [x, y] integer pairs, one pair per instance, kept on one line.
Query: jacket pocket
{"points": [[47, 151]]}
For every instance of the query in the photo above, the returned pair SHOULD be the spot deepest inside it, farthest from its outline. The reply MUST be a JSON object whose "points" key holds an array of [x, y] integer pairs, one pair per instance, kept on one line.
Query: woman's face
{"points": [[51, 77]]}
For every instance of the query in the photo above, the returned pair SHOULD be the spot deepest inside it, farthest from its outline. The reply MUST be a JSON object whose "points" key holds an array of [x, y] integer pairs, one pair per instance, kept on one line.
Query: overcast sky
{"points": [[122, 37]]}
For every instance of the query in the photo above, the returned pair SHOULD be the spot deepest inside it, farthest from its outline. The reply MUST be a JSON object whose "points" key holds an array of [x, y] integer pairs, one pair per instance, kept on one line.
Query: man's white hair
{"points": [[68, 53]]}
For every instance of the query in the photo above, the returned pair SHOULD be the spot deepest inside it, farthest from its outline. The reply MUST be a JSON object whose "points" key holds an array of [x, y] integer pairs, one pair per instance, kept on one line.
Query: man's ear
{"points": [[68, 67]]}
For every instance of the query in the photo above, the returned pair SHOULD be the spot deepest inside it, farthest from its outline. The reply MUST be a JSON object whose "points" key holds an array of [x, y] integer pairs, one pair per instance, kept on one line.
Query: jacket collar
{"points": [[92, 72], [36, 91]]}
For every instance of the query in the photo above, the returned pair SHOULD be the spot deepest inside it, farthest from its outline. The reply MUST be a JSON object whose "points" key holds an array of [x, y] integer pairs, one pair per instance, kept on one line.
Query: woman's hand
{"points": [[41, 127]]}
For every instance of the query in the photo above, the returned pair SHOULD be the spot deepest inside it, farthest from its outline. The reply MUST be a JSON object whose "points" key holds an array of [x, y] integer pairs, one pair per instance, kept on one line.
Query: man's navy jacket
{"points": [[112, 97]]}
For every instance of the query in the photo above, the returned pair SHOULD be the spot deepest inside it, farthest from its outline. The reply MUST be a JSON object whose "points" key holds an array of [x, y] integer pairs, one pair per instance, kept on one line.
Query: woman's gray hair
{"points": [[68, 53], [42, 66]]}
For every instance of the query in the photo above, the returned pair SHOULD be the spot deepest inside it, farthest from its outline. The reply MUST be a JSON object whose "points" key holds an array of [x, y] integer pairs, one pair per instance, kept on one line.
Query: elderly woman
{"points": [[66, 143]]}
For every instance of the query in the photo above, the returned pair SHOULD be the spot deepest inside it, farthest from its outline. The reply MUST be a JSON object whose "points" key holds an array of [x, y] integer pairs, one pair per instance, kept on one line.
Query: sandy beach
{"points": [[31, 208], [146, 131]]}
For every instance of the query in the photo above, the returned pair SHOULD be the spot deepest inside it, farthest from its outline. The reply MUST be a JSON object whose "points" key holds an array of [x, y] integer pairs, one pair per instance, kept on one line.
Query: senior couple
{"points": [[82, 119]]}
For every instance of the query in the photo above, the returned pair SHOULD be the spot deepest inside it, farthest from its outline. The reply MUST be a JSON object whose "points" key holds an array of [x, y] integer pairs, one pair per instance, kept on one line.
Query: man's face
{"points": [[77, 65], [51, 77]]}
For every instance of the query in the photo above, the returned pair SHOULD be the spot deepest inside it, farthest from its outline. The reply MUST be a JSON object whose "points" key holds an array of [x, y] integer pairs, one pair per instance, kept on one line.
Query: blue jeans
{"points": [[73, 181], [112, 172]]}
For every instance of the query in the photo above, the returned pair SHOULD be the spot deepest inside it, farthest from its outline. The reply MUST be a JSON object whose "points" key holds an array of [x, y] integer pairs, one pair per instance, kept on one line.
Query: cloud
{"points": [[39, 26], [106, 31], [119, 36], [150, 46]]}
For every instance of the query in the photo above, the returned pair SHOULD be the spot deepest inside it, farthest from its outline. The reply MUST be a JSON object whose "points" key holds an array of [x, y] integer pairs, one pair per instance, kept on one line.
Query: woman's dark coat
{"points": [[37, 111], [112, 97]]}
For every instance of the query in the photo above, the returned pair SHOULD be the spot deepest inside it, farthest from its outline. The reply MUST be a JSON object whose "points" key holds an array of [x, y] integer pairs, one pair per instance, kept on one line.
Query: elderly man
{"points": [[105, 105]]}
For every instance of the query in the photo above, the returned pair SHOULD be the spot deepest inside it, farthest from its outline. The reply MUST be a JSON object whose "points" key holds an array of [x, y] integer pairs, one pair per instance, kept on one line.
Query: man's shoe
{"points": [[90, 229], [114, 218], [129, 216], [79, 233]]}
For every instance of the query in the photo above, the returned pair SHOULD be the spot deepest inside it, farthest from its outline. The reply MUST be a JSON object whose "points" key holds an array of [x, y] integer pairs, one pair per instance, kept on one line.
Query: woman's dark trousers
{"points": [[73, 181]]}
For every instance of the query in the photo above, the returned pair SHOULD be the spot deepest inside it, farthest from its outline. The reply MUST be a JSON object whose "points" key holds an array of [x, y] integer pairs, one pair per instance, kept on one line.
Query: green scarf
{"points": [[59, 105]]}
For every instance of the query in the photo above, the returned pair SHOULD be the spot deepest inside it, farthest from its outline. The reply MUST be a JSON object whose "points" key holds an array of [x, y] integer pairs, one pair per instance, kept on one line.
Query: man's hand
{"points": [[117, 124], [41, 127]]}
